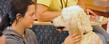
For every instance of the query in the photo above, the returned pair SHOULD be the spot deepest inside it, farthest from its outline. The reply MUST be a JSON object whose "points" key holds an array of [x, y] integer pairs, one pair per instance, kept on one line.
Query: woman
{"points": [[21, 18]]}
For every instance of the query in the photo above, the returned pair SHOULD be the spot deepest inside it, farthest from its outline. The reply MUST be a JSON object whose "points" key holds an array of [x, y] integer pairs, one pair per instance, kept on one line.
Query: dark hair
{"points": [[16, 6], [19, 6], [4, 8]]}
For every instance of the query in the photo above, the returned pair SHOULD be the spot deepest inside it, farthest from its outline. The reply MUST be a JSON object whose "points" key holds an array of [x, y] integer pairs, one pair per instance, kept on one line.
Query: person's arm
{"points": [[44, 14], [2, 39], [100, 30]]}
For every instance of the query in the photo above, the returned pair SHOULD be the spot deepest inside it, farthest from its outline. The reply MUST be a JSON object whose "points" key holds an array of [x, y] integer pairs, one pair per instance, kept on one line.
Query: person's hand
{"points": [[90, 12], [73, 39], [2, 39]]}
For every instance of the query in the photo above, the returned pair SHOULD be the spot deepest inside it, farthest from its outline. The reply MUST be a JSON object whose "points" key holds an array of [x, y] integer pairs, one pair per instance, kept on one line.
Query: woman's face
{"points": [[29, 17]]}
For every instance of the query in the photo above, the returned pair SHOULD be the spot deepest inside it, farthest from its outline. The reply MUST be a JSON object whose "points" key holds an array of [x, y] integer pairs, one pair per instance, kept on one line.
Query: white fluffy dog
{"points": [[75, 20]]}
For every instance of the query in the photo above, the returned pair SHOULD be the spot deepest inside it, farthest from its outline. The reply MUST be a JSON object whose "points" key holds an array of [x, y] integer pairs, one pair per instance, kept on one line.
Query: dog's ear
{"points": [[58, 21]]}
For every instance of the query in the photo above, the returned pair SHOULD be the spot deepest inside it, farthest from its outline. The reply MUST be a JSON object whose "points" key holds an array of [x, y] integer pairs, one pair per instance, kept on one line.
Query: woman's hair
{"points": [[4, 9], [16, 6], [19, 6]]}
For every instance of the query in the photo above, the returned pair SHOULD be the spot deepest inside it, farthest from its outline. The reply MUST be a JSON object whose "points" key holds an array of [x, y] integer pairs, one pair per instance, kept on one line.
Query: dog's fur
{"points": [[75, 20]]}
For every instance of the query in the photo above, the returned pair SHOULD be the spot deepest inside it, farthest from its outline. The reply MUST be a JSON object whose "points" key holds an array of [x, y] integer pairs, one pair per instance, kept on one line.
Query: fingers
{"points": [[76, 38], [90, 12], [73, 39]]}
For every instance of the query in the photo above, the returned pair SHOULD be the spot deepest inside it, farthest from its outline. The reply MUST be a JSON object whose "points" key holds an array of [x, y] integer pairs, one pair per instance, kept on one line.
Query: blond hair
{"points": [[78, 20]]}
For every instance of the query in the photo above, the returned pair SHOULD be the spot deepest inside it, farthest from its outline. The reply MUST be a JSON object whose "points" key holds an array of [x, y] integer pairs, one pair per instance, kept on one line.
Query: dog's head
{"points": [[74, 19]]}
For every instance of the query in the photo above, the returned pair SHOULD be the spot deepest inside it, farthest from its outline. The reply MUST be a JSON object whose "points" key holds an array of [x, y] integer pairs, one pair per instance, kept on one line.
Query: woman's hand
{"points": [[73, 39]]}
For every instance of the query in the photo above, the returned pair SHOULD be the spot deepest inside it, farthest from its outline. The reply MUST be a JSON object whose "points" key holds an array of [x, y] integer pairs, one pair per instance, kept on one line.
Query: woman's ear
{"points": [[18, 17]]}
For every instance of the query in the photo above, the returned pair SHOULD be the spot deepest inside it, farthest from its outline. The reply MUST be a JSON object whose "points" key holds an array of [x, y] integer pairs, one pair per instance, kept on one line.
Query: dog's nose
{"points": [[51, 21], [60, 27]]}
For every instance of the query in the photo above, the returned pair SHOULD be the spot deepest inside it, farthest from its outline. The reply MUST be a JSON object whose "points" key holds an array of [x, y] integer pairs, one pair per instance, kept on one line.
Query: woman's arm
{"points": [[43, 14]]}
